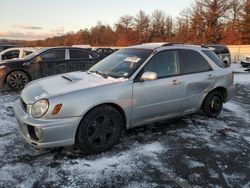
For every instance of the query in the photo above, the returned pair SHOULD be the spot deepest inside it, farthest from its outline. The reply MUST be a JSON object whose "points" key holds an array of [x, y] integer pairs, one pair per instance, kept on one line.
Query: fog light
{"points": [[38, 132]]}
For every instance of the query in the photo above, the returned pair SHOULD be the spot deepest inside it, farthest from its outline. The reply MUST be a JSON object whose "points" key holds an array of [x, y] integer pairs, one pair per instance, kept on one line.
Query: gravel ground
{"points": [[192, 151]]}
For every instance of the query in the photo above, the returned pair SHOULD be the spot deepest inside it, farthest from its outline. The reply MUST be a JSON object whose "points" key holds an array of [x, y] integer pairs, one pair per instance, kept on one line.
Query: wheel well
{"points": [[117, 107], [5, 79], [223, 91]]}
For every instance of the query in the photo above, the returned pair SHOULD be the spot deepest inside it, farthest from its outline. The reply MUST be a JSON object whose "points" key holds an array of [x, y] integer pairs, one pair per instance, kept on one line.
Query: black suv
{"points": [[222, 51], [45, 62]]}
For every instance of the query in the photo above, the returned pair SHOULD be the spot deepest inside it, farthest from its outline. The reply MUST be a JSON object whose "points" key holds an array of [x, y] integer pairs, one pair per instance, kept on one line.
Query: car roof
{"points": [[154, 46]]}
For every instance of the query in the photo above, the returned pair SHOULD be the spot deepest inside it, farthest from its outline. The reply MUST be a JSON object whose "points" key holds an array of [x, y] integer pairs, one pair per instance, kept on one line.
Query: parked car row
{"points": [[15, 74], [131, 87], [15, 53]]}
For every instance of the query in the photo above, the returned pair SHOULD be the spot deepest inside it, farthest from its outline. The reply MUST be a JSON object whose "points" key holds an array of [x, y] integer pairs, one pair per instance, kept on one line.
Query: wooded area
{"points": [[205, 21]]}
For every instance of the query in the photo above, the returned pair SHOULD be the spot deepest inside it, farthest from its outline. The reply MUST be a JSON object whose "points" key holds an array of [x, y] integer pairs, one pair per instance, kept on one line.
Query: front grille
{"points": [[24, 105]]}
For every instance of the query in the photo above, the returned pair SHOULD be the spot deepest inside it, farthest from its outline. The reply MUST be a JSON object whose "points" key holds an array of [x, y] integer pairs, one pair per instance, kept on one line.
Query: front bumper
{"points": [[56, 132]]}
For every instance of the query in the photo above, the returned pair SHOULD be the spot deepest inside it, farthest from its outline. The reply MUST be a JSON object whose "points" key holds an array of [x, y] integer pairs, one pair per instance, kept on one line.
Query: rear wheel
{"points": [[213, 104], [17, 80], [100, 130]]}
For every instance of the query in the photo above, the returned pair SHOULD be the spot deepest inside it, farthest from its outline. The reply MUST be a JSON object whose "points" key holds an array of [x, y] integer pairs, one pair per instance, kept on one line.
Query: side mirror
{"points": [[148, 76]]}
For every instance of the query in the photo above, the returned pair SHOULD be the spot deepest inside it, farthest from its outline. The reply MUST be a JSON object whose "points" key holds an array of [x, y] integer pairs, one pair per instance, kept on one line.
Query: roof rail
{"points": [[204, 46], [176, 43], [171, 43]]}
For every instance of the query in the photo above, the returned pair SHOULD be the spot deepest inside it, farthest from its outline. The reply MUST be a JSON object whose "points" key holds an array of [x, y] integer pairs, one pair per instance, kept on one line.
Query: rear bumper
{"points": [[245, 64], [55, 132]]}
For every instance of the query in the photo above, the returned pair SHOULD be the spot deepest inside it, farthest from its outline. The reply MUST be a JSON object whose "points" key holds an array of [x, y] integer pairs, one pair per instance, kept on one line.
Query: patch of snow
{"points": [[101, 169], [150, 149], [242, 78], [237, 68], [247, 138], [237, 109], [122, 79], [234, 178], [195, 164]]}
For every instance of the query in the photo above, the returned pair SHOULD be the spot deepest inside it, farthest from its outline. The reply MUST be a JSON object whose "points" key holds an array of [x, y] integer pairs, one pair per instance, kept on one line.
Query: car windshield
{"points": [[122, 63]]}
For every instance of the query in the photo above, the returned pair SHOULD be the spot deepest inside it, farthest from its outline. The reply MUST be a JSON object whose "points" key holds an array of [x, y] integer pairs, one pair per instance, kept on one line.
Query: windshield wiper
{"points": [[100, 73]]}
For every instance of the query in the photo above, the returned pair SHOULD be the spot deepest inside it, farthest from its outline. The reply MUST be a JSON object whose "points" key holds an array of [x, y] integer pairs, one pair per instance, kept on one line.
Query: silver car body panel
{"points": [[141, 102]]}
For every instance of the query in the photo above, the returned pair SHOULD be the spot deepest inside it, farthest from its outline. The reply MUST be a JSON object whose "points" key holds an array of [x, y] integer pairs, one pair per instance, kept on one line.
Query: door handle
{"points": [[176, 82]]}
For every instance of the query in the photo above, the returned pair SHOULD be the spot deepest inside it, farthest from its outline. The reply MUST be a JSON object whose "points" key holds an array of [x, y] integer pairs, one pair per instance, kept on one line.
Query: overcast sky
{"points": [[39, 19]]}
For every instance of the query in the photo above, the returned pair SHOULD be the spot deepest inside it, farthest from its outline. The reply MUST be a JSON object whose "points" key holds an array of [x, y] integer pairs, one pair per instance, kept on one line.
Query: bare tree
{"points": [[169, 25], [126, 22], [158, 26], [213, 13], [142, 26], [246, 23], [183, 24]]}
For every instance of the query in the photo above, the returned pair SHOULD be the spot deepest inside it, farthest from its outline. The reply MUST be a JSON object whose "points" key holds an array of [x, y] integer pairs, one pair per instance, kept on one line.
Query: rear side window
{"points": [[53, 55], [214, 58], [80, 54], [193, 62], [11, 54]]}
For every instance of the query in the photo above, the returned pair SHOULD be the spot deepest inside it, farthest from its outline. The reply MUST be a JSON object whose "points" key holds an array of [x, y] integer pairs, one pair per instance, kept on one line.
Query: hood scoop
{"points": [[71, 78]]}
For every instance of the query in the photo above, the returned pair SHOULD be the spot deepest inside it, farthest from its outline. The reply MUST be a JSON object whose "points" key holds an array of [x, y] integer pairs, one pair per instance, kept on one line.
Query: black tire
{"points": [[99, 130], [16, 80], [213, 104]]}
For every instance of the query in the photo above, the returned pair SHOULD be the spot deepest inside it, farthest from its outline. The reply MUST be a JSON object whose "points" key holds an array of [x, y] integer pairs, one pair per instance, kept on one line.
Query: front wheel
{"points": [[213, 104], [100, 130], [16, 80]]}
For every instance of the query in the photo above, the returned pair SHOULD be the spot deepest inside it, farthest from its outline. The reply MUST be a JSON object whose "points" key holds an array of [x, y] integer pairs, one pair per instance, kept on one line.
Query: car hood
{"points": [[62, 84]]}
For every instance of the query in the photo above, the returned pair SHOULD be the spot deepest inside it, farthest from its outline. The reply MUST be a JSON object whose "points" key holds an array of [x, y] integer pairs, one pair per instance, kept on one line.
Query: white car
{"points": [[15, 53], [246, 63]]}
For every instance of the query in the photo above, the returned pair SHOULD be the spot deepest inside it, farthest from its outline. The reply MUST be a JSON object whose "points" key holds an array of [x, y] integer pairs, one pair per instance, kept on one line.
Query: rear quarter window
{"points": [[193, 62], [214, 58], [82, 54]]}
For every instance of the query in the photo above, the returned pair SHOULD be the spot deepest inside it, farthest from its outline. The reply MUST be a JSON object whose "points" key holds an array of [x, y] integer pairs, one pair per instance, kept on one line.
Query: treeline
{"points": [[205, 21]]}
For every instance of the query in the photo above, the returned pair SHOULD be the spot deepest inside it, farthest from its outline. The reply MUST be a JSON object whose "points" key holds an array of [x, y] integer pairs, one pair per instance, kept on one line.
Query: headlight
{"points": [[39, 108], [2, 67]]}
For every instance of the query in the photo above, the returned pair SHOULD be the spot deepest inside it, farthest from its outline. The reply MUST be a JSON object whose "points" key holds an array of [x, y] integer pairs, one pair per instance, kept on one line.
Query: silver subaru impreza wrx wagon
{"points": [[134, 86]]}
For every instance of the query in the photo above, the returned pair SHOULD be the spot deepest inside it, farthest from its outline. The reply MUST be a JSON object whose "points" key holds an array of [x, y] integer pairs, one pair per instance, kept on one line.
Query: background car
{"points": [[104, 51], [45, 62], [222, 51], [246, 63], [15, 53]]}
